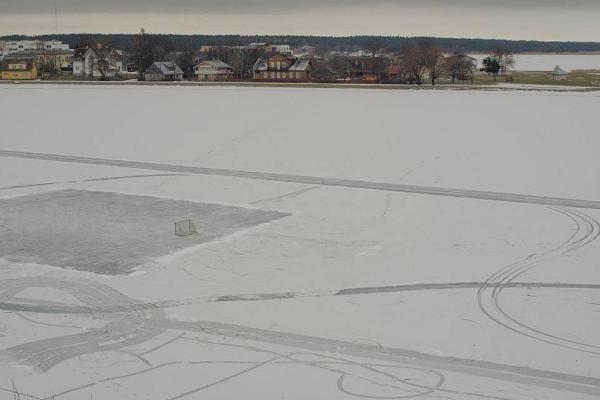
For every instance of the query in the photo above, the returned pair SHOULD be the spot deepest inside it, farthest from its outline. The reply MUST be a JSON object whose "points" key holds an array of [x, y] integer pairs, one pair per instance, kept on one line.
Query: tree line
{"points": [[417, 63], [395, 43]]}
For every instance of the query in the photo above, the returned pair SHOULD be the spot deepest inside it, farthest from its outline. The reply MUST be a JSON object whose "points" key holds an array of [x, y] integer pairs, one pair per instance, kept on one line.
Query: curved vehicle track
{"points": [[488, 295], [131, 322], [122, 330], [138, 326]]}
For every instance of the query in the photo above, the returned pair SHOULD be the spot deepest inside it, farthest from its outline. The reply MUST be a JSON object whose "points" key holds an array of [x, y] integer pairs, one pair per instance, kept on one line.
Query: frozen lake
{"points": [[547, 62], [352, 243]]}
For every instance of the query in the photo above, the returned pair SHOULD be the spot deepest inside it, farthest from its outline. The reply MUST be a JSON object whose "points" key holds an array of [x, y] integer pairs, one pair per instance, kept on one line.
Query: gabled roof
{"points": [[280, 56], [105, 52], [80, 53], [300, 65], [164, 68], [101, 53], [559, 71], [217, 64], [324, 70], [260, 65]]}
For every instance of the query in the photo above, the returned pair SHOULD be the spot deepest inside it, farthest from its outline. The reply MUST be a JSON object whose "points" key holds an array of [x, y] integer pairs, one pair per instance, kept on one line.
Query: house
{"points": [[101, 62], [559, 74], [47, 61], [282, 67], [19, 70], [213, 71], [271, 48], [163, 71], [300, 70], [324, 75], [359, 69], [279, 48], [305, 52], [16, 46]]}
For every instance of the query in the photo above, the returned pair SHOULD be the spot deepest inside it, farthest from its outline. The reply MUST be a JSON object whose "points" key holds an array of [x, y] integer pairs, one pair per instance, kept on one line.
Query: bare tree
{"points": [[459, 66], [433, 59], [414, 62], [103, 66], [505, 58], [378, 62]]}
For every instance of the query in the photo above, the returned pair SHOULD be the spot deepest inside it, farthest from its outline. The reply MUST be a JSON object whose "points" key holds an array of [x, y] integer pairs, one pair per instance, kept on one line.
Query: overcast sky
{"points": [[512, 19]]}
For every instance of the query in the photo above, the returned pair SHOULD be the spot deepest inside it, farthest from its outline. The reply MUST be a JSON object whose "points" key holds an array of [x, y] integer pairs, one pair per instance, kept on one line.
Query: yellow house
{"points": [[15, 70]]}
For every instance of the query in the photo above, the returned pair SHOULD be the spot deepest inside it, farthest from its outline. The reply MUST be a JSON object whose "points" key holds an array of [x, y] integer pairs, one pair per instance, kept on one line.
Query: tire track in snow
{"points": [[137, 327], [313, 180], [488, 295], [109, 178], [16, 304]]}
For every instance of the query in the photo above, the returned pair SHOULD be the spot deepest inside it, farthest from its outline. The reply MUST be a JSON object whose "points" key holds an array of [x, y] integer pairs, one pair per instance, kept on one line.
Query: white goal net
{"points": [[185, 228]]}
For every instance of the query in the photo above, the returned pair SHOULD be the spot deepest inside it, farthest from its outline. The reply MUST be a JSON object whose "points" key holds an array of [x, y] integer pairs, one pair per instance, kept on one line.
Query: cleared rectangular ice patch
{"points": [[110, 233]]}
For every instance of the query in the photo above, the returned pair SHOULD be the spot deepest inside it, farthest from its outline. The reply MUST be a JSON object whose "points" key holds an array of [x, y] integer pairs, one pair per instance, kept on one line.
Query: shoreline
{"points": [[458, 87]]}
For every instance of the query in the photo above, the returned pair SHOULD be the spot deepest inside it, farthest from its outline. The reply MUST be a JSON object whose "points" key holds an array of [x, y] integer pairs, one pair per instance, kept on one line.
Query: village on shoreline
{"points": [[373, 65]]}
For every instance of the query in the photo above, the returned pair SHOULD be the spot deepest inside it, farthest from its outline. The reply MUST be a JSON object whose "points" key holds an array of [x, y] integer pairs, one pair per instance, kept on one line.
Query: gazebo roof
{"points": [[559, 71]]}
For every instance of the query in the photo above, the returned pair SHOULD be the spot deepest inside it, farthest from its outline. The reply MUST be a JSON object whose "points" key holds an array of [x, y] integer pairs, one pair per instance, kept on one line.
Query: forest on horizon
{"points": [[345, 43]]}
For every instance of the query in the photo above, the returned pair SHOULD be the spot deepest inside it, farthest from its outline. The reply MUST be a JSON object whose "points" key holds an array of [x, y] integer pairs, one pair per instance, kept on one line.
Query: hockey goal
{"points": [[185, 228]]}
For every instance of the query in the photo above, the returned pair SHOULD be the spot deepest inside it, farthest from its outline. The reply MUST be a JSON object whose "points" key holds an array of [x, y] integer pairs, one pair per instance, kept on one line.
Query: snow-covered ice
{"points": [[427, 244]]}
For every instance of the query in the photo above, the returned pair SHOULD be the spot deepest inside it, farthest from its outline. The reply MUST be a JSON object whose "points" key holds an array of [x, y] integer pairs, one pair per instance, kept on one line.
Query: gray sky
{"points": [[513, 19]]}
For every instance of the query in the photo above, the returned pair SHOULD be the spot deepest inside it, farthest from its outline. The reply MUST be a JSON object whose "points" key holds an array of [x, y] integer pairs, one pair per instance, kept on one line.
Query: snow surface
{"points": [[368, 293]]}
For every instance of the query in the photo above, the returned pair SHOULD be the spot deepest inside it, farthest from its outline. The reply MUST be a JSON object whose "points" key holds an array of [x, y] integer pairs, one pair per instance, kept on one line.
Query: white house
{"points": [[15, 46], [104, 63], [279, 48], [213, 71]]}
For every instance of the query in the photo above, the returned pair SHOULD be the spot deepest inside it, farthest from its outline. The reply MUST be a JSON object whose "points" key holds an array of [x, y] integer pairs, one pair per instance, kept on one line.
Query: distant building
{"points": [[279, 48], [272, 48], [16, 46], [49, 61], [559, 74], [305, 52], [324, 75], [300, 70], [207, 48], [213, 71], [163, 71], [19, 70], [101, 62], [358, 69], [282, 67]]}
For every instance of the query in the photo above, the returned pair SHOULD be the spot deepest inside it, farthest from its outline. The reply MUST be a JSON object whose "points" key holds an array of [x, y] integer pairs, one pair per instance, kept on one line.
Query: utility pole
{"points": [[55, 17]]}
